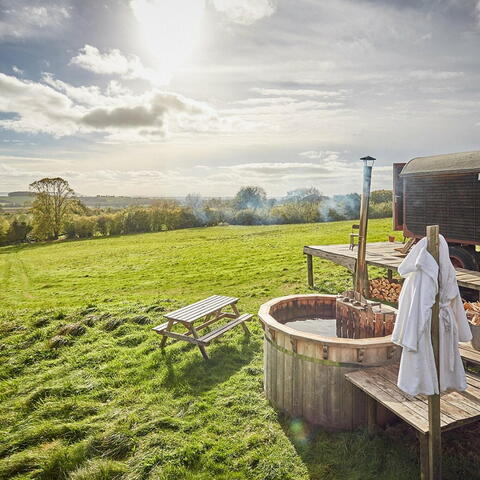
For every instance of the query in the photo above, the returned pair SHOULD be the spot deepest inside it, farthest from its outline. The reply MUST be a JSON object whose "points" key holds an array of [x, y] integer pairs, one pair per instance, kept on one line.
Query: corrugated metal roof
{"points": [[462, 162]]}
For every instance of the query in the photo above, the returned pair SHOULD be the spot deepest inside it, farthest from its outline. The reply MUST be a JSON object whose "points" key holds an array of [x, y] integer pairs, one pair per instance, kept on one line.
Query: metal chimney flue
{"points": [[361, 274]]}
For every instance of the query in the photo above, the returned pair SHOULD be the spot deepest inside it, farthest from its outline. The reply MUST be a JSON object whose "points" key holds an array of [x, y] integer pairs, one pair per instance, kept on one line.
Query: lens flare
{"points": [[299, 430]]}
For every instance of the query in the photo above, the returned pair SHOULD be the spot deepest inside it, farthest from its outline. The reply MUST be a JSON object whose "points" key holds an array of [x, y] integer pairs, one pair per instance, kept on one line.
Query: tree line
{"points": [[57, 213]]}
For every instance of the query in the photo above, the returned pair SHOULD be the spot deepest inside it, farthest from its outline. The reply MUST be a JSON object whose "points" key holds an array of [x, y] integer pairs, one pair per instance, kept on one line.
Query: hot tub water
{"points": [[320, 326]]}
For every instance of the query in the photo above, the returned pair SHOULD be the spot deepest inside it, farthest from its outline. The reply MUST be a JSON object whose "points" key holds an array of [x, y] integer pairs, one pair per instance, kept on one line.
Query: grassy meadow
{"points": [[87, 394]]}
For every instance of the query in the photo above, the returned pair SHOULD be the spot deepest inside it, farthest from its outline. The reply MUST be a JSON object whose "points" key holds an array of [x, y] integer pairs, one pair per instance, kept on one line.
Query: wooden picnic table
{"points": [[209, 311]]}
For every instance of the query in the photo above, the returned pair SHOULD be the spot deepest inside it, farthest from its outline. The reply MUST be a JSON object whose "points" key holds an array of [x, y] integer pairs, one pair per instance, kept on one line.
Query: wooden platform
{"points": [[469, 354], [456, 408], [380, 254]]}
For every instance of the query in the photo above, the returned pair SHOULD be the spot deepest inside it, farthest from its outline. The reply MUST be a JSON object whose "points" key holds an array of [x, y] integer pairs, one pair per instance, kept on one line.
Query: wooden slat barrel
{"points": [[304, 372]]}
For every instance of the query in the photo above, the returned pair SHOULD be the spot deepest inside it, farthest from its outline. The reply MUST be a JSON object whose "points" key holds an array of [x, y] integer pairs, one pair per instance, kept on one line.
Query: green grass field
{"points": [[86, 394]]}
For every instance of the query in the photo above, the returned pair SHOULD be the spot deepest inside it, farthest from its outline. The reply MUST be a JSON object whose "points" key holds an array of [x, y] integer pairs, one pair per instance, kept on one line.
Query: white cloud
{"points": [[298, 92], [435, 75], [324, 155], [245, 12], [113, 62], [265, 101], [60, 109], [29, 18], [35, 107], [85, 95], [17, 70]]}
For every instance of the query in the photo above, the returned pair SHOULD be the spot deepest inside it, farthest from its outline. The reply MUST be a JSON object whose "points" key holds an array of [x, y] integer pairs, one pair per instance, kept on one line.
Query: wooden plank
{"points": [[396, 404], [297, 393], [321, 388], [451, 412], [208, 337], [308, 382], [339, 258], [280, 369], [161, 328], [194, 305], [199, 312], [457, 408], [180, 336], [288, 375], [199, 309], [390, 372], [266, 362], [469, 354], [371, 415], [419, 402]]}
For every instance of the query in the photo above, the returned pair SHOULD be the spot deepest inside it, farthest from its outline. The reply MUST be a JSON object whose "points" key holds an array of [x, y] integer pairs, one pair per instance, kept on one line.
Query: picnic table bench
{"points": [[209, 310], [380, 385]]}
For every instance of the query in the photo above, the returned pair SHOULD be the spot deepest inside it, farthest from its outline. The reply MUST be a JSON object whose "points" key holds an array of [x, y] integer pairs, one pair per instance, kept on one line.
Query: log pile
{"points": [[472, 310], [385, 289]]}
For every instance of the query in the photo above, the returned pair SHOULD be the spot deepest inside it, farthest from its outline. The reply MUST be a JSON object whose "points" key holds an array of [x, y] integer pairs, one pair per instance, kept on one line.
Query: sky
{"points": [[171, 97]]}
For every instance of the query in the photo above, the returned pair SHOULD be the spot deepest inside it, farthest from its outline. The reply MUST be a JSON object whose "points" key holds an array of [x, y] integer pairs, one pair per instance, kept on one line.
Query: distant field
{"points": [[85, 392]]}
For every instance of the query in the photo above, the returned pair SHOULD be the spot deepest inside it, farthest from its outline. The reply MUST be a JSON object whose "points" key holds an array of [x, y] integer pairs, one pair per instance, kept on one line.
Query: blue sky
{"points": [[170, 97]]}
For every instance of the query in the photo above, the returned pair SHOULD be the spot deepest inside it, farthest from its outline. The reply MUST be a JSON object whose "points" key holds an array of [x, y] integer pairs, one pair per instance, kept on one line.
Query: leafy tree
{"points": [[247, 217], [381, 196], [53, 202], [4, 227], [19, 229], [136, 220], [310, 194], [250, 198]]}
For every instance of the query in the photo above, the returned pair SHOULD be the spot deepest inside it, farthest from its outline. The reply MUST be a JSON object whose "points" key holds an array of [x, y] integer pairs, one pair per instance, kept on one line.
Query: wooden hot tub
{"points": [[304, 370]]}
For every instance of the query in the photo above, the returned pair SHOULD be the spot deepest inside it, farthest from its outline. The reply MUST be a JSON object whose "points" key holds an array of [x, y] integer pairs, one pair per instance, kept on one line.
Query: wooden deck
{"points": [[469, 354], [456, 408], [380, 254]]}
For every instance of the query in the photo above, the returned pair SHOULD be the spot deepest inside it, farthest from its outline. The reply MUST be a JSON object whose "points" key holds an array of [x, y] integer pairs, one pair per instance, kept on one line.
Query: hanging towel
{"points": [[418, 374]]}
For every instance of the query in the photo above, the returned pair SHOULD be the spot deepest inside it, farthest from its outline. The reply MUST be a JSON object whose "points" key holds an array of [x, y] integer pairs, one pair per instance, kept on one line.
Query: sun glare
{"points": [[169, 29]]}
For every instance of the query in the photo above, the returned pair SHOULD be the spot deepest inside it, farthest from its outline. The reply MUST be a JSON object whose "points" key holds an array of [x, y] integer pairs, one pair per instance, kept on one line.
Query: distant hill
{"points": [[21, 194]]}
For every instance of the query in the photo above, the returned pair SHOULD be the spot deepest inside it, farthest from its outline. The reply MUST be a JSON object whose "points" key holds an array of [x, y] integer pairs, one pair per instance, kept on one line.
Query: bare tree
{"points": [[53, 201]]}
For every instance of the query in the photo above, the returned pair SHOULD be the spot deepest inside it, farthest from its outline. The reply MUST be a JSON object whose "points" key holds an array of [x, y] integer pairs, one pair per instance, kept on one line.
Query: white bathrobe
{"points": [[418, 373]]}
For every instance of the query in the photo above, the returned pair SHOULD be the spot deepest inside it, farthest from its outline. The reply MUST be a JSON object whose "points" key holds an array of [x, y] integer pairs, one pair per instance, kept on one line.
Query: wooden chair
{"points": [[353, 236], [406, 246]]}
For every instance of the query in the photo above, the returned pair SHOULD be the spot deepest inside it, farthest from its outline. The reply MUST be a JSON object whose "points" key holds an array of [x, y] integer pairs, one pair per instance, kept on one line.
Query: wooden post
{"points": [[310, 270], [434, 440], [424, 456], [361, 273], [371, 415]]}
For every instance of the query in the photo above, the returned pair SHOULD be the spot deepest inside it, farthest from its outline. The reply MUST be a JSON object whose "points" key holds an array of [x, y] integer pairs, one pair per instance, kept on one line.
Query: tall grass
{"points": [[86, 392]]}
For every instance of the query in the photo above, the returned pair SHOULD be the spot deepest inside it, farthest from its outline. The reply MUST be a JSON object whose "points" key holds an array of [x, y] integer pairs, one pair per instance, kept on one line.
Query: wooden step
{"points": [[208, 337]]}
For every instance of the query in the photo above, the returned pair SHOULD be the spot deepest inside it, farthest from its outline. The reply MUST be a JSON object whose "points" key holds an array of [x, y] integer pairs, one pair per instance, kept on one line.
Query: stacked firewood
{"points": [[385, 289], [473, 312]]}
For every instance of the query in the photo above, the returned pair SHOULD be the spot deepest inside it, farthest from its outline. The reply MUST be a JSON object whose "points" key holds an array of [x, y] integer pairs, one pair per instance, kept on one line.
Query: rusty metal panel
{"points": [[397, 196], [451, 201]]}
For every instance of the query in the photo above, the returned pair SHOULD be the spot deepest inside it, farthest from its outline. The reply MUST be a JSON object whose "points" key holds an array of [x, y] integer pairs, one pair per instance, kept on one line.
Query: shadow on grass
{"points": [[335, 455], [196, 375], [392, 454]]}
